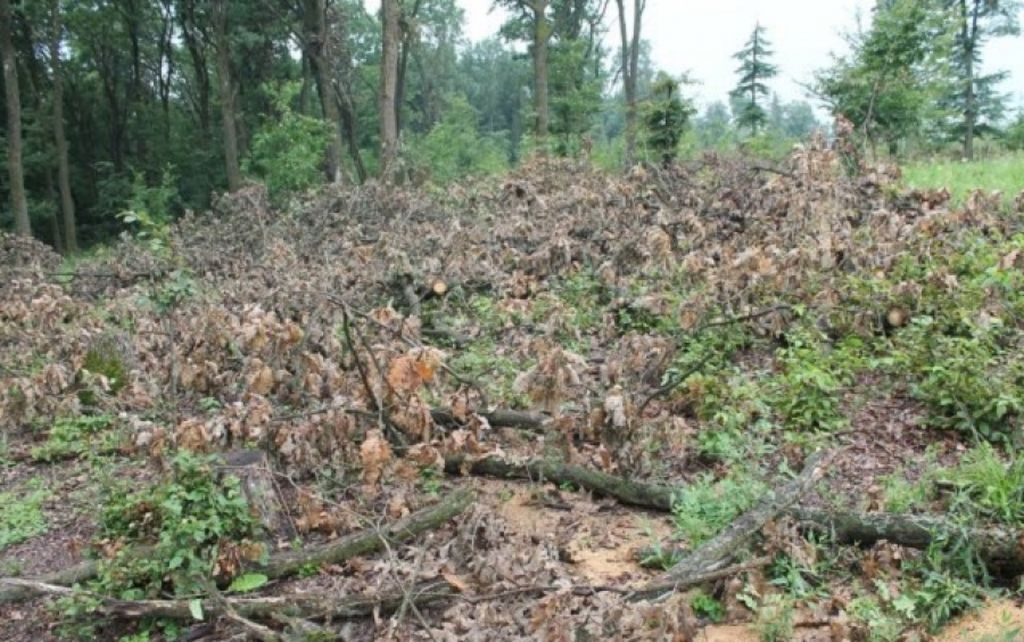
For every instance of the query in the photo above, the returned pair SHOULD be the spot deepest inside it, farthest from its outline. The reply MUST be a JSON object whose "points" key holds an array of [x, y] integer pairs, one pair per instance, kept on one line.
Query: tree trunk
{"points": [[969, 34], [388, 86], [19, 204], [541, 35], [67, 203], [193, 42], [316, 41], [227, 95], [630, 66]]}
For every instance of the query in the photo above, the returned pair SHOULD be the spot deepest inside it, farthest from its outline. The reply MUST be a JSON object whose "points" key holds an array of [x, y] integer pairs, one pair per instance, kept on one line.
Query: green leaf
{"points": [[195, 607], [247, 582]]}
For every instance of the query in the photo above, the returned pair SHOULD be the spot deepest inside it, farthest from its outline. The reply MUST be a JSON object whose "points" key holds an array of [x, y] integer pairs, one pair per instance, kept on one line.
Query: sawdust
{"points": [[1001, 621]]}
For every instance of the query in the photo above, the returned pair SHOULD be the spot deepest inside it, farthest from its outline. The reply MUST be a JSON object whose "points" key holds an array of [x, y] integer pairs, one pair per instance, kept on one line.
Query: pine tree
{"points": [[755, 68], [667, 115]]}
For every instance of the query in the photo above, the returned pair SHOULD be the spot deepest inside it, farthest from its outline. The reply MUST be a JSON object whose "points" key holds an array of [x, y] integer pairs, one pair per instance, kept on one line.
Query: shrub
{"points": [[198, 524]]}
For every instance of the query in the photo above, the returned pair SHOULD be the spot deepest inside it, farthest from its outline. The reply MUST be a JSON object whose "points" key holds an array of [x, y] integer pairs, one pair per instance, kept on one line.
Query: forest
{"points": [[320, 320]]}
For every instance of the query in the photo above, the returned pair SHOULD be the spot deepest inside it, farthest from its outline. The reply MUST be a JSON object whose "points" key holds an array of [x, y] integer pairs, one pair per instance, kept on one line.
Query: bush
{"points": [[198, 524], [454, 148], [289, 149]]}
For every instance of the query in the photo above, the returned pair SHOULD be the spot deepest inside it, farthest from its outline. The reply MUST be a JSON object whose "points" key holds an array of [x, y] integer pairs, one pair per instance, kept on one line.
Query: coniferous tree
{"points": [[667, 115], [975, 97], [755, 68]]}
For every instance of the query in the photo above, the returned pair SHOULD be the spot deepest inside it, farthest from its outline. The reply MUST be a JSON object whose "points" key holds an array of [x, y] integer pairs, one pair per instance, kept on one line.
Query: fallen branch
{"points": [[306, 605], [720, 549], [1002, 549], [625, 490], [286, 563], [497, 418]]}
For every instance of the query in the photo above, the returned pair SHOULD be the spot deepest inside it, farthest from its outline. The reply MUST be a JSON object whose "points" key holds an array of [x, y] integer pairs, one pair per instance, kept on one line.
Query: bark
{"points": [[319, 57], [227, 95], [969, 36], [497, 418], [390, 11], [288, 563], [630, 69], [541, 36], [67, 203], [408, 33], [15, 170], [624, 490]]}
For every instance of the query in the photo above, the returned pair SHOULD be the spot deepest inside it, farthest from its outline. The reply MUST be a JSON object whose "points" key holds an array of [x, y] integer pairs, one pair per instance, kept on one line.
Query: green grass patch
{"points": [[1002, 173], [77, 436], [706, 506], [21, 517]]}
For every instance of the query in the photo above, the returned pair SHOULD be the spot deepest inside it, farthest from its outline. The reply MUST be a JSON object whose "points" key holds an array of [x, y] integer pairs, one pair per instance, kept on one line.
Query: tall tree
{"points": [[666, 118], [629, 70], [67, 203], [755, 68], [316, 47], [390, 34], [884, 86], [976, 99], [227, 93], [19, 202], [535, 13]]}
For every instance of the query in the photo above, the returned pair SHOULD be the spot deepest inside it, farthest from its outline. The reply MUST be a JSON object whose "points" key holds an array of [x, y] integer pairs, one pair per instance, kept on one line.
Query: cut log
{"points": [[624, 490], [287, 563]]}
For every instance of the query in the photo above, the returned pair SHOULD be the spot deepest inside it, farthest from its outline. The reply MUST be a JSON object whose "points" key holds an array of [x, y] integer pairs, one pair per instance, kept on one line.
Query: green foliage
{"points": [[807, 391], [963, 384], [705, 506], [104, 358], [988, 487], [288, 149], [187, 519], [754, 70], [81, 435], [707, 607], [178, 287], [150, 210], [21, 517], [665, 117], [454, 148]]}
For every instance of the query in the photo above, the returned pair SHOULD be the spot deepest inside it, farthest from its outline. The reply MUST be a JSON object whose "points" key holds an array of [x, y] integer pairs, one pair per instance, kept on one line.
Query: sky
{"points": [[700, 36]]}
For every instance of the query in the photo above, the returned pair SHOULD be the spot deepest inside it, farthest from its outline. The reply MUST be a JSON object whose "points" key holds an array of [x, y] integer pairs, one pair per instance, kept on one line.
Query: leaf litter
{"points": [[327, 333]]}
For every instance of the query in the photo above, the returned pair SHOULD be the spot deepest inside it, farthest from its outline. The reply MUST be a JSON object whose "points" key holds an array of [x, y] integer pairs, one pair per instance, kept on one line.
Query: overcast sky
{"points": [[701, 36]]}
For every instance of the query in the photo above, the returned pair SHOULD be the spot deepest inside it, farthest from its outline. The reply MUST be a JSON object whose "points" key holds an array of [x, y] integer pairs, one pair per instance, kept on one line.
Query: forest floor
{"points": [[559, 405]]}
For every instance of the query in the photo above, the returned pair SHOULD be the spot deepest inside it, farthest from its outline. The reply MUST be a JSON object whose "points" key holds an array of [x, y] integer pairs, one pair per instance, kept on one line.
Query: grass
{"points": [[21, 518], [1002, 173]]}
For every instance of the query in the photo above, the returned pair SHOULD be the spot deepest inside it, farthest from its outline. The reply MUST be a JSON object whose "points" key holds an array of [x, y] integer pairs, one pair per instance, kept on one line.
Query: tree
{"points": [[885, 86], [629, 69], [19, 203], [227, 94], [976, 98], [754, 70], [535, 12], [67, 203], [667, 116], [316, 49], [390, 33]]}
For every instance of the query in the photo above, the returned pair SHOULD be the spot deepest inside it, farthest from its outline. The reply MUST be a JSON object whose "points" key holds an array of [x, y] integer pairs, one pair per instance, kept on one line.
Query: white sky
{"points": [[701, 36]]}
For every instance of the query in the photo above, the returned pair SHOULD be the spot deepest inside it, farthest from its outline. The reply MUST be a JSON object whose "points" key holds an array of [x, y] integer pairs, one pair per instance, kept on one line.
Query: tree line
{"points": [[147, 107]]}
